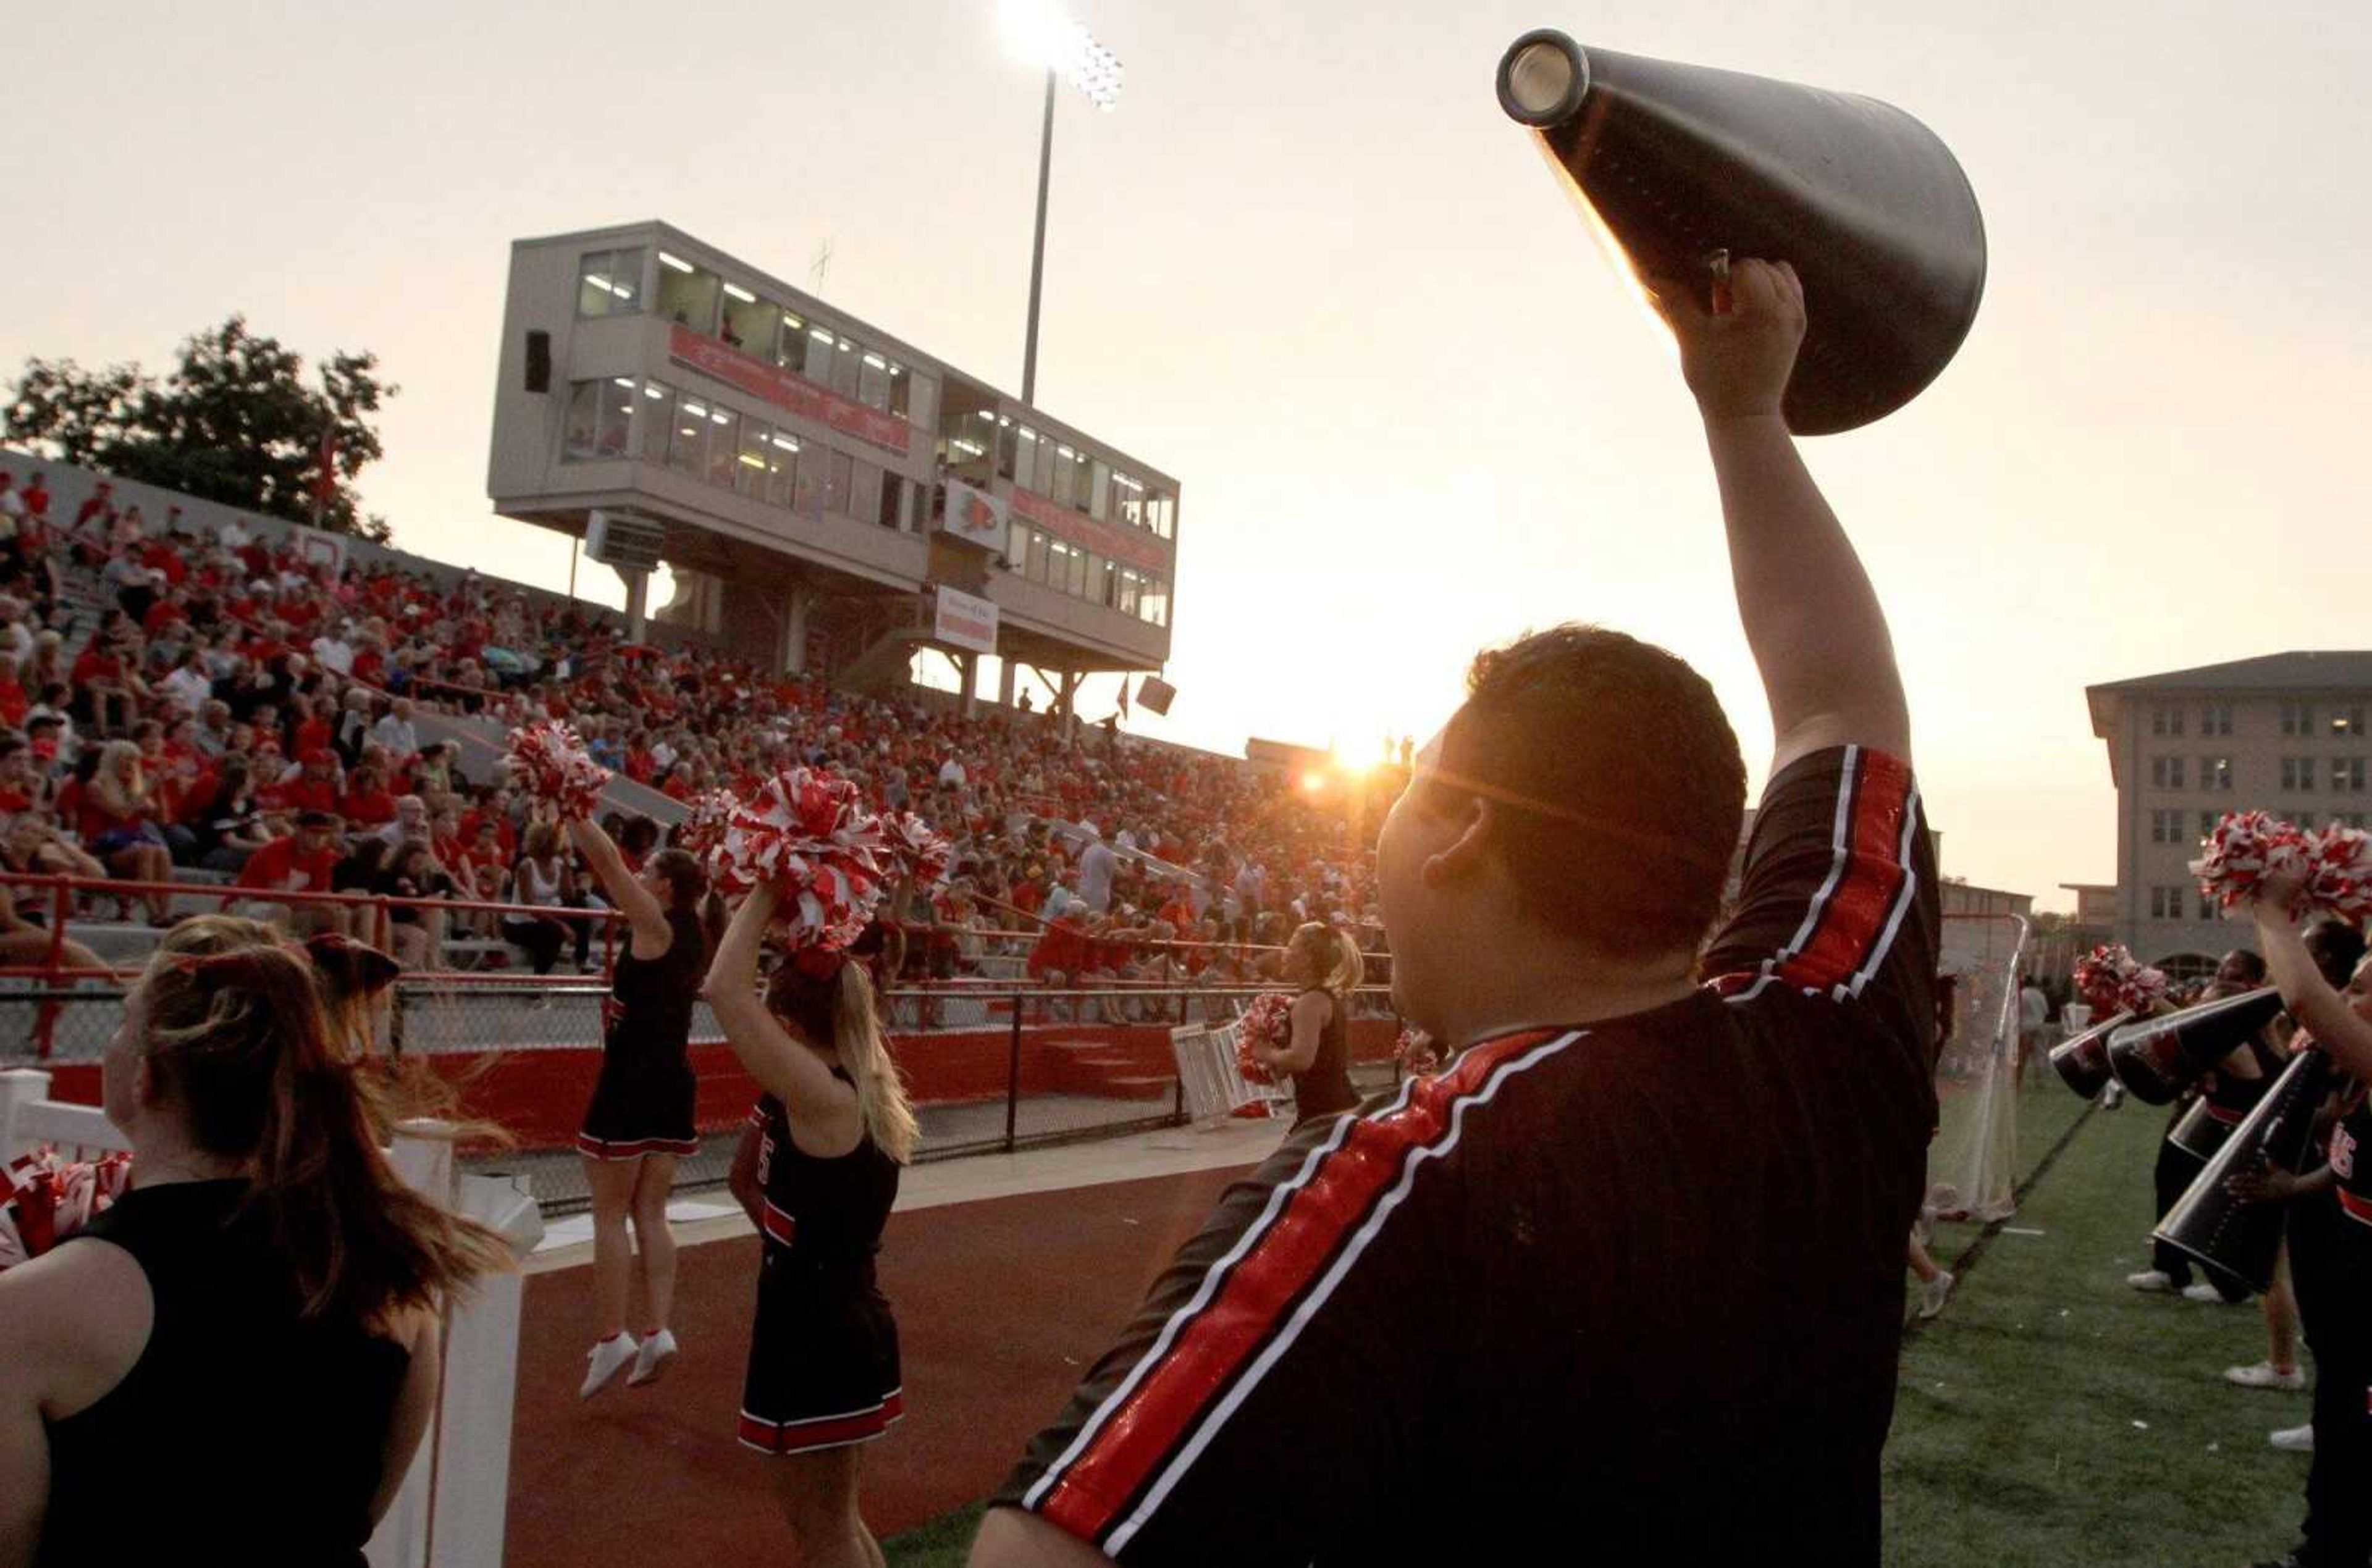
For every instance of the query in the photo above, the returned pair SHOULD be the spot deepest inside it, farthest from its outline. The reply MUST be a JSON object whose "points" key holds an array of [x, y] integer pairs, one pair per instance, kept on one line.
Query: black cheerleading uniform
{"points": [[246, 1432], [643, 1103], [1622, 1220], [2229, 1099], [1325, 1089], [2331, 1256], [823, 1352]]}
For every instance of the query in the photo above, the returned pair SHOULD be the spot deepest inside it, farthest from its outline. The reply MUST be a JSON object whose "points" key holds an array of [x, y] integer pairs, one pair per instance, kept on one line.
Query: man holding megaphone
{"points": [[1623, 1281]]}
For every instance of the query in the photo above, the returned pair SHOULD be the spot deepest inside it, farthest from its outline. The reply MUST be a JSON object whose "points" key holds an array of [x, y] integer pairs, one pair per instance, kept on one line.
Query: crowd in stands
{"points": [[236, 709]]}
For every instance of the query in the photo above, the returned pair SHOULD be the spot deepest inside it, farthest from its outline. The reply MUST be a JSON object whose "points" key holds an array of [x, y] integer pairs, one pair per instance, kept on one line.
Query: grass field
{"points": [[2052, 1416]]}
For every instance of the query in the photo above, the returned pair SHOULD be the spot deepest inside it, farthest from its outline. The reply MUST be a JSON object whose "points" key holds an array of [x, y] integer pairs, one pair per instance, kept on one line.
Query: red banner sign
{"points": [[785, 390], [1124, 545]]}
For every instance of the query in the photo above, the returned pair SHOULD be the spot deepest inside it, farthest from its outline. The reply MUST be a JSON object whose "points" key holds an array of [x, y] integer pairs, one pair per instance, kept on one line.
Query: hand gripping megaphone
{"points": [[2231, 1238], [2082, 1061], [1684, 167]]}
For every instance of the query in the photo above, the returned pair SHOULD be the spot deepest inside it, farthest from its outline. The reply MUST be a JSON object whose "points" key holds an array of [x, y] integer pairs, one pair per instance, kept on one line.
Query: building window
{"points": [[789, 348], [2165, 721], [844, 368], [2166, 827], [579, 432], [2215, 718], [1016, 548], [1042, 479], [2297, 774], [864, 492], [1042, 549], [724, 446], [1161, 512], [610, 283], [1128, 500], [892, 512], [745, 320], [2348, 720], [688, 439], [2215, 772], [816, 363], [1009, 441], [782, 468], [2297, 718], [840, 482], [815, 470], [1099, 490], [2348, 775], [1153, 602], [2352, 819], [2207, 820], [688, 295], [2202, 907], [2166, 773], [2166, 903], [873, 381], [658, 420], [756, 461]]}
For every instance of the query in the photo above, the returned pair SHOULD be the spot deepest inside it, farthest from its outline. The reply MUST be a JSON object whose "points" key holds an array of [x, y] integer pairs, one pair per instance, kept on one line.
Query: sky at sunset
{"points": [[1308, 268]]}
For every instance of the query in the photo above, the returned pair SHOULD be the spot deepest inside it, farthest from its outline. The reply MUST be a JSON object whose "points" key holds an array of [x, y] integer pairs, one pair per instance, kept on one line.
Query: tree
{"points": [[233, 423]]}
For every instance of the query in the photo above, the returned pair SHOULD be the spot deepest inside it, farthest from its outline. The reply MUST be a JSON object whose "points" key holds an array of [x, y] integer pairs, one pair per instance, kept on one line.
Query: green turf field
{"points": [[2052, 1416]]}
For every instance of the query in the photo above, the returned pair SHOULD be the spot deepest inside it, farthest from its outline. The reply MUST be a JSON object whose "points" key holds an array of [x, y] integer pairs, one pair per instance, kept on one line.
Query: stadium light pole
{"points": [[1068, 52]]}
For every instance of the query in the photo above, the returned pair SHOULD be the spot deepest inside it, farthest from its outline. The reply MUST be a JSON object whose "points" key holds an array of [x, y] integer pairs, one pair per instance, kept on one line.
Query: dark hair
{"points": [[236, 1036], [1617, 782], [637, 834], [2337, 947], [688, 891], [2250, 963]]}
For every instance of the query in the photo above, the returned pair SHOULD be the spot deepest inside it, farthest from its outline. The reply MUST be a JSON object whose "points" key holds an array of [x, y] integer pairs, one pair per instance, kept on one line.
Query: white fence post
{"points": [[19, 1086]]}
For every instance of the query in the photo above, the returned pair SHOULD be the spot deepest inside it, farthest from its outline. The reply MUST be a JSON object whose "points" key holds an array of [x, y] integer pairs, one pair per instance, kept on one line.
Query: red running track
{"points": [[1000, 1303]]}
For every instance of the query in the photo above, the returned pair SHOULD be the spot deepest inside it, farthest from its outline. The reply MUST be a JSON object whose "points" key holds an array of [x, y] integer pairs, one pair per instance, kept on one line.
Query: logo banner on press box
{"points": [[964, 620], [976, 515]]}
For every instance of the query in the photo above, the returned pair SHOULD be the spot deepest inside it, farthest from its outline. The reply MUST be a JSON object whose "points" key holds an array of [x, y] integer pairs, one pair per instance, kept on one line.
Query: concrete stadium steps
{"points": [[1122, 1067]]}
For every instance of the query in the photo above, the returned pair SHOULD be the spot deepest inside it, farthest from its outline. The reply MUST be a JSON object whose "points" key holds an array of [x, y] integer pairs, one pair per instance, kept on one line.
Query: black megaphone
{"points": [[1684, 167], [2082, 1060], [2158, 1058], [2235, 1240]]}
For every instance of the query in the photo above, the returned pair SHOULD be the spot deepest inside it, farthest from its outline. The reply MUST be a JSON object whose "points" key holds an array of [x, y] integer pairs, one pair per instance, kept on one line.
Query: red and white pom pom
{"points": [[703, 826], [2246, 848], [1269, 1022], [808, 835], [549, 762], [920, 851], [50, 1198], [2339, 874], [1416, 1053], [2142, 992], [2100, 977]]}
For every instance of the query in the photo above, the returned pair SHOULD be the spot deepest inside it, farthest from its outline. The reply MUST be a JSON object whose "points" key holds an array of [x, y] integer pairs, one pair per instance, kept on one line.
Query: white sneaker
{"points": [[1932, 1293], [2156, 1282], [652, 1358], [2294, 1439], [2205, 1293], [2113, 1096], [606, 1358], [2265, 1374]]}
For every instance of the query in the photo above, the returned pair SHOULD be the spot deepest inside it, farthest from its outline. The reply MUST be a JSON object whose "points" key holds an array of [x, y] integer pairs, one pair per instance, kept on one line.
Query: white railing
{"points": [[1214, 1088], [450, 1511]]}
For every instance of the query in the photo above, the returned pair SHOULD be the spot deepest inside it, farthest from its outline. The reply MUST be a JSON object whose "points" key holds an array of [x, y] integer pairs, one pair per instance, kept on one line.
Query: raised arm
{"points": [[2321, 1009], [821, 1109], [1811, 618], [625, 890]]}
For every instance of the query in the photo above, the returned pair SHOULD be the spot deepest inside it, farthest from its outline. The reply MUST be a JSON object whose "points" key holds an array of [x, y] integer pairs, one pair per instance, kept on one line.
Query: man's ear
{"points": [[1469, 821]]}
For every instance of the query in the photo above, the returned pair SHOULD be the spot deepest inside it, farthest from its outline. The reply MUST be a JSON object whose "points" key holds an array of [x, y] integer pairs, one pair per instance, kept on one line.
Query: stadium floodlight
{"points": [[1066, 52]]}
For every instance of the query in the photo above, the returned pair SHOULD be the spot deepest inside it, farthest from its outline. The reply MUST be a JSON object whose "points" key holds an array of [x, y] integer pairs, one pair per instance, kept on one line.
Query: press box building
{"points": [[827, 496]]}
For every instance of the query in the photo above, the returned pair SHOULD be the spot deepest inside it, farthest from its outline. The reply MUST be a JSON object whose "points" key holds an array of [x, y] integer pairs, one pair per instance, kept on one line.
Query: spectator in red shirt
{"points": [[302, 862], [13, 700], [308, 730], [314, 787], [107, 693], [366, 802]]}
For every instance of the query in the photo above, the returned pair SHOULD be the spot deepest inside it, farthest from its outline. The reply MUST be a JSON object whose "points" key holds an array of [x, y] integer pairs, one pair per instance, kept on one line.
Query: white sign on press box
{"points": [[964, 620]]}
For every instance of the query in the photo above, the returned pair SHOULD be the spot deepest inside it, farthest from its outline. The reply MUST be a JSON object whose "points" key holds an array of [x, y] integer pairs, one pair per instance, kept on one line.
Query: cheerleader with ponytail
{"points": [[234, 1363], [832, 1132], [1324, 964]]}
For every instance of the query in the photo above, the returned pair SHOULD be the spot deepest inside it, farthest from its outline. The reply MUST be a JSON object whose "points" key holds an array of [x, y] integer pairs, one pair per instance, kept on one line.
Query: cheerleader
{"points": [[833, 1130], [242, 1371], [640, 1121], [1325, 966], [2334, 1273]]}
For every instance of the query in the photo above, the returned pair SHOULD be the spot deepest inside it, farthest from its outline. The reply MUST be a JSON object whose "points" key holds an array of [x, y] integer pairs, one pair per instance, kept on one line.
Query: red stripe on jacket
{"points": [[1138, 1439]]}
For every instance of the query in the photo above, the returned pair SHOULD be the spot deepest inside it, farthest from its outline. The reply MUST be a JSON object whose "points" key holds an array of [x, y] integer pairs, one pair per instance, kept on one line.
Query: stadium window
{"points": [[618, 401], [815, 469], [1161, 512], [1066, 463], [658, 418], [1009, 439], [892, 514], [1155, 601], [756, 450], [790, 348], [724, 446], [2348, 720], [913, 397], [1077, 584], [865, 491], [844, 367], [2348, 775], [1130, 587], [782, 468], [688, 295], [1021, 466], [873, 381], [840, 482], [610, 283], [1017, 550], [1083, 476], [816, 364], [1042, 479], [688, 436], [746, 319], [1099, 490], [1042, 545], [1128, 498], [581, 431], [1099, 580]]}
